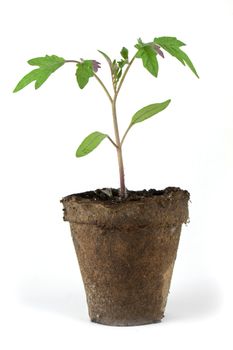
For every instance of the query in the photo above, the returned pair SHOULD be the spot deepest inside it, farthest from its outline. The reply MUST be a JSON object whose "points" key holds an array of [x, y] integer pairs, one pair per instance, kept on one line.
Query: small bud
{"points": [[96, 65]]}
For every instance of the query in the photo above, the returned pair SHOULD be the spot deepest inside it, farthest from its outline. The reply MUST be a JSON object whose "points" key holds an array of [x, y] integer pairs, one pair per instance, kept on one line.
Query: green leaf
{"points": [[189, 63], [90, 143], [149, 111], [84, 72], [172, 45], [47, 66], [169, 41], [119, 74], [27, 79], [125, 53], [121, 63], [50, 62], [139, 44], [149, 59]]}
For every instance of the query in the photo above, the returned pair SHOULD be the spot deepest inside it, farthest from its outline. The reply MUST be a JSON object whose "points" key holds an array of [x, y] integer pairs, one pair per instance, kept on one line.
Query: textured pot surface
{"points": [[126, 253]]}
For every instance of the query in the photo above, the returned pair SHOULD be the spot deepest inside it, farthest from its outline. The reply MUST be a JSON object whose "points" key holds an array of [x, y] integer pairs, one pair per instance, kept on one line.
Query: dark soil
{"points": [[111, 195]]}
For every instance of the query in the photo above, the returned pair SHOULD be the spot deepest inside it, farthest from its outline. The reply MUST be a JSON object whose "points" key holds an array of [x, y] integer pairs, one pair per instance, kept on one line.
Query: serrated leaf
{"points": [[27, 79], [47, 66], [90, 143], [149, 59], [189, 63], [42, 78], [84, 72], [172, 45], [125, 53], [50, 62], [149, 111], [170, 41]]}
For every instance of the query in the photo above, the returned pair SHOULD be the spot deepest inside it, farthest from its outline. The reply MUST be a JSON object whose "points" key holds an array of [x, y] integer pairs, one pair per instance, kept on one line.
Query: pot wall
{"points": [[126, 253]]}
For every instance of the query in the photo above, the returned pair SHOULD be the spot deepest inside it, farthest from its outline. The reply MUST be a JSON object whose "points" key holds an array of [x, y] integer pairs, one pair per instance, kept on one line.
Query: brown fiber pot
{"points": [[126, 253]]}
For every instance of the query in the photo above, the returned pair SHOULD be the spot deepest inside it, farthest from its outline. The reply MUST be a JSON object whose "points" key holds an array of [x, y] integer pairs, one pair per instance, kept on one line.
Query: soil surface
{"points": [[111, 195]]}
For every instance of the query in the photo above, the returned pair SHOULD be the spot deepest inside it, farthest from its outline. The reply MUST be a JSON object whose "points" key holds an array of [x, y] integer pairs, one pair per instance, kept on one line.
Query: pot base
{"points": [[126, 324]]}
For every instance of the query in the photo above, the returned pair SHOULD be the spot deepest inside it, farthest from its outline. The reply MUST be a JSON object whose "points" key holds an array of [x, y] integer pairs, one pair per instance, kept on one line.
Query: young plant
{"points": [[148, 53]]}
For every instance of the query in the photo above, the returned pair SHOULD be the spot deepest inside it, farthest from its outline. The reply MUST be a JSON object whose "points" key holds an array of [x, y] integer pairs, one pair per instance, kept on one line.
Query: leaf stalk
{"points": [[125, 134], [97, 78]]}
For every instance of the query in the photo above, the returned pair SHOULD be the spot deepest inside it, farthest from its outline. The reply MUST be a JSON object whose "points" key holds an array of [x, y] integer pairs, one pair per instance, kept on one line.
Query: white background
{"points": [[42, 304]]}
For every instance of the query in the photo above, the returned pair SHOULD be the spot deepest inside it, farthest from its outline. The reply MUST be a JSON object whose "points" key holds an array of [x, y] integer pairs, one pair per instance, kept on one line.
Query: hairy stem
{"points": [[117, 136], [119, 150]]}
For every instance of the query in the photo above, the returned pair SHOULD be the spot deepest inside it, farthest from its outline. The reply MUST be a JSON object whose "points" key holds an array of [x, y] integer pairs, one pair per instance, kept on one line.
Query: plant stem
{"points": [[117, 136], [72, 61], [119, 149], [118, 143], [124, 75]]}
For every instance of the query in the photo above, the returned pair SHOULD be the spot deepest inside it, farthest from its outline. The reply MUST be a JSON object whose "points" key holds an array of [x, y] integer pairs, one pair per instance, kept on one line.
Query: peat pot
{"points": [[126, 251]]}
